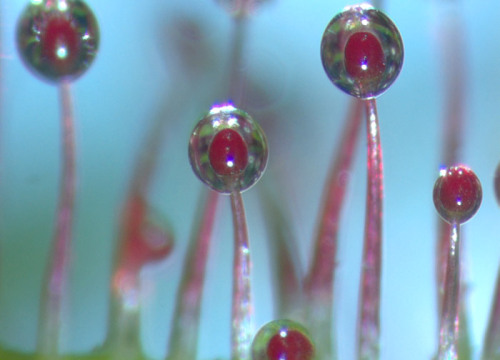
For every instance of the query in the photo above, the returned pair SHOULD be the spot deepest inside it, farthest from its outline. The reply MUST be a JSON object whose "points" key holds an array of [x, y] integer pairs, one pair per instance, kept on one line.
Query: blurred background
{"points": [[168, 61]]}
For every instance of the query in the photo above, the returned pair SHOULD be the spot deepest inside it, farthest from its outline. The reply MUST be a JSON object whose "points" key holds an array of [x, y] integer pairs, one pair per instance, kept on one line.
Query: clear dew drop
{"points": [[457, 194], [57, 40], [228, 149], [362, 51]]}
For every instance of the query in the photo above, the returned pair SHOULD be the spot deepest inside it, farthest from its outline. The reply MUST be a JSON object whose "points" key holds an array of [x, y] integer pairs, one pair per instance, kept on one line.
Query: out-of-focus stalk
{"points": [[319, 283]]}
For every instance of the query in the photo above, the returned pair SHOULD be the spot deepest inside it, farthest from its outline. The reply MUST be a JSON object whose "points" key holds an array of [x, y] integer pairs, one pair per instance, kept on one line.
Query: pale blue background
{"points": [[135, 73]]}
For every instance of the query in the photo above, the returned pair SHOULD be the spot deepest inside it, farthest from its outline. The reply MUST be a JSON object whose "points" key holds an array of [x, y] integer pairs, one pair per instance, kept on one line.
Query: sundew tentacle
{"points": [[362, 54], [228, 152], [457, 196], [57, 41]]}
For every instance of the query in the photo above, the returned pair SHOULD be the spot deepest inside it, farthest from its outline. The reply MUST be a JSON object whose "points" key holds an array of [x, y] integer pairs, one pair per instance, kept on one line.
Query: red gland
{"points": [[457, 194], [228, 153], [290, 345], [60, 43], [364, 57]]}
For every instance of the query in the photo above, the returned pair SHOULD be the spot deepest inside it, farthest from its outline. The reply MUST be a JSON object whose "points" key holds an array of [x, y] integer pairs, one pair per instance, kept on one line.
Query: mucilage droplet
{"points": [[362, 51], [228, 149], [282, 340], [457, 194], [57, 40]]}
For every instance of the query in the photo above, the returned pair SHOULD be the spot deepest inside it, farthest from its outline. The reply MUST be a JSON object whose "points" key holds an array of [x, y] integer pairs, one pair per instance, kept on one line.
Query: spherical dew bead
{"points": [[362, 51], [282, 340], [228, 149], [290, 345], [457, 194], [57, 40], [228, 153], [363, 56]]}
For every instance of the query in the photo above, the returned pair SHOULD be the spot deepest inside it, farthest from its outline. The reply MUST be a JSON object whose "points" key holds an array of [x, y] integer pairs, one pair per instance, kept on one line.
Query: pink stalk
{"points": [[452, 43], [184, 337], [243, 8], [236, 73], [242, 307], [449, 324], [369, 317], [288, 301], [319, 282], [55, 287]]}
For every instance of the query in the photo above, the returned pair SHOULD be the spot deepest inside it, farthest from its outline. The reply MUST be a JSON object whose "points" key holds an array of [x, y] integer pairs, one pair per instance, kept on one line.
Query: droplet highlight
{"points": [[282, 340]]}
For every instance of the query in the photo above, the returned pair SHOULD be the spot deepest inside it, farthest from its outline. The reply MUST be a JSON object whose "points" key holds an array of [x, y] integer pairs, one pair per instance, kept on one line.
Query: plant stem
{"points": [[452, 43], [55, 286], [453, 56], [449, 324], [123, 339], [369, 318], [242, 307], [320, 280], [236, 72]]}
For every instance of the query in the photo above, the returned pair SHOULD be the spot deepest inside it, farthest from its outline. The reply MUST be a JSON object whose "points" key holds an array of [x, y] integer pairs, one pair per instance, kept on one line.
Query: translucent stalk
{"points": [[449, 324], [184, 337], [452, 43], [236, 72], [55, 286], [320, 280], [369, 316], [242, 307], [124, 334]]}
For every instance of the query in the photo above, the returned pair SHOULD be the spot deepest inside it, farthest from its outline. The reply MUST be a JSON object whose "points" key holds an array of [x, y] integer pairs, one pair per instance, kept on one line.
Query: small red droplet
{"points": [[228, 153], [363, 56], [290, 345], [60, 43], [457, 194]]}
